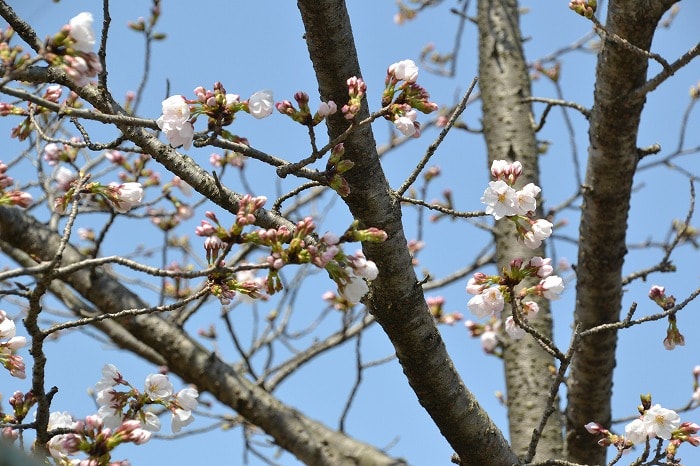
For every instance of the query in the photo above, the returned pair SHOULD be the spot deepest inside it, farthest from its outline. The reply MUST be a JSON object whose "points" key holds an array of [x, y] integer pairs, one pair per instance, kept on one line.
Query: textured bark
{"points": [[396, 299], [612, 160], [309, 440], [504, 82]]}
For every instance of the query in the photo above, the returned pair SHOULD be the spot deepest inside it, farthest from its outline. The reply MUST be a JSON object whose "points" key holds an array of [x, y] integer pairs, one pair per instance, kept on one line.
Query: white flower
{"points": [[525, 199], [542, 229], [7, 328], [15, 343], [185, 402], [158, 387], [489, 341], [181, 418], [355, 289], [363, 267], [127, 195], [636, 431], [150, 422], [489, 302], [406, 123], [661, 422], [552, 287], [499, 199], [406, 70], [530, 310], [64, 177], [111, 417], [81, 31], [59, 420], [175, 110], [261, 104], [174, 121], [187, 398], [110, 377], [515, 332]]}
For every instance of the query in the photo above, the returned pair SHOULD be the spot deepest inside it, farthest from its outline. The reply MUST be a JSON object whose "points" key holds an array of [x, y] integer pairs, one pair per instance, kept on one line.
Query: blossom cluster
{"points": [[502, 200], [491, 292], [117, 406], [654, 421], [9, 344], [404, 98], [179, 113], [286, 247], [15, 196], [72, 49], [123, 416], [121, 196]]}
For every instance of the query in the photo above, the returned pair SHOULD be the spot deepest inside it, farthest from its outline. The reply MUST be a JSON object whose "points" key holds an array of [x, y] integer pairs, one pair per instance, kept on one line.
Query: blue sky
{"points": [[250, 46]]}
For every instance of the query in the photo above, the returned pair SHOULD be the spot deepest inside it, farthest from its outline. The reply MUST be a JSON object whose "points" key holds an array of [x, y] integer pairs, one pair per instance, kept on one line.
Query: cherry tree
{"points": [[170, 234]]}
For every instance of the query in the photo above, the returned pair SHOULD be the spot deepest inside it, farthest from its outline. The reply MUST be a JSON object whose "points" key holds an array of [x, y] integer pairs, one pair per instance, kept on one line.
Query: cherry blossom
{"points": [[261, 104], [175, 121], [661, 422], [525, 199], [499, 198], [82, 33], [355, 288], [552, 287], [158, 386], [405, 70], [407, 124], [489, 341], [488, 302], [125, 196]]}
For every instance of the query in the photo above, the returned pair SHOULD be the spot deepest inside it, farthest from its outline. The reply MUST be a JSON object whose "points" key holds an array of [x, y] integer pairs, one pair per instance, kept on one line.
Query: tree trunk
{"points": [[504, 82], [396, 299], [612, 160]]}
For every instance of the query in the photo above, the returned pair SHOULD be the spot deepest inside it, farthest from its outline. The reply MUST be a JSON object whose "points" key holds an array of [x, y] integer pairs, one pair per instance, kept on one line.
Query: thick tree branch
{"points": [[612, 161], [396, 299], [312, 442]]}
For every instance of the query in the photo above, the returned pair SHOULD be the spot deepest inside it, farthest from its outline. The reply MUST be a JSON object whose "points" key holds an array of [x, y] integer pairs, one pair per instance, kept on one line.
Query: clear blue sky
{"points": [[258, 45]]}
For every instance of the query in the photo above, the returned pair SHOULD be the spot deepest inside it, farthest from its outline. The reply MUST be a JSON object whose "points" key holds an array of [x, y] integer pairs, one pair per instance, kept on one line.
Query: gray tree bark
{"points": [[504, 83], [612, 160]]}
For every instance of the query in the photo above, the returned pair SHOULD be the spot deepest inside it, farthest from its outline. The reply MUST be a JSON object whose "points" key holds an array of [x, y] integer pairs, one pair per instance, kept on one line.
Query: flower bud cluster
{"points": [[55, 153], [488, 334], [14, 197], [666, 302], [356, 91], [405, 99], [9, 344], [335, 167], [436, 306], [179, 114], [11, 57], [584, 7], [303, 114], [285, 247]]}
